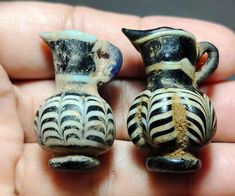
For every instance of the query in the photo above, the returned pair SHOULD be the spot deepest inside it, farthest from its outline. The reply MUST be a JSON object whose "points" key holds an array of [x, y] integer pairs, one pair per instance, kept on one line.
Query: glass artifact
{"points": [[172, 118], [76, 124]]}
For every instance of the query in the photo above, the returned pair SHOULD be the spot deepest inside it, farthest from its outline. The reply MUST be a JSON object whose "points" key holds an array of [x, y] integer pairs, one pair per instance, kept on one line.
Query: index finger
{"points": [[24, 56]]}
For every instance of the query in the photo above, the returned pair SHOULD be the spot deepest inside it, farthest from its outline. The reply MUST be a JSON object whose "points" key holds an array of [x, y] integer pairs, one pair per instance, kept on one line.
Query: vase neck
{"points": [[169, 48], [77, 83], [169, 74]]}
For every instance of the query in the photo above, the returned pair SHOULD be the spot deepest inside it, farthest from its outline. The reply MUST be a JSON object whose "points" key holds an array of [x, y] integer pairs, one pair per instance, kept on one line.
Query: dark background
{"points": [[220, 11]]}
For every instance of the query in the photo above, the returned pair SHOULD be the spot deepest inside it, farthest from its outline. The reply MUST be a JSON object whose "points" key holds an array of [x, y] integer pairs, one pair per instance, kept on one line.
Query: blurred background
{"points": [[220, 11]]}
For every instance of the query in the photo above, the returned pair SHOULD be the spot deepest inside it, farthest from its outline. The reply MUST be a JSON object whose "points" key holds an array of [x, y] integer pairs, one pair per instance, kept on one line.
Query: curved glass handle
{"points": [[108, 60], [212, 62]]}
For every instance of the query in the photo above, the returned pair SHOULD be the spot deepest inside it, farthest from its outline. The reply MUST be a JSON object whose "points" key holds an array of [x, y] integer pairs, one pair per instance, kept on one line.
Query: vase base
{"points": [[74, 163], [171, 163]]}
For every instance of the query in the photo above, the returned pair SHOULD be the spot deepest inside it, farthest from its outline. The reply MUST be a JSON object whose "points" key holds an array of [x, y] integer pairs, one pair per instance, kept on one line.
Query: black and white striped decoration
{"points": [[75, 121], [154, 118]]}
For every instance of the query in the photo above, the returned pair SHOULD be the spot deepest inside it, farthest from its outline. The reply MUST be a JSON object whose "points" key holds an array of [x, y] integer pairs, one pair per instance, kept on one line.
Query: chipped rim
{"points": [[68, 34]]}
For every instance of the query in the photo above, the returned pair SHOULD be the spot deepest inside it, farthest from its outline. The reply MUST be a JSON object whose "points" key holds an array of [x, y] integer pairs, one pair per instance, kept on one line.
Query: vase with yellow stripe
{"points": [[172, 118]]}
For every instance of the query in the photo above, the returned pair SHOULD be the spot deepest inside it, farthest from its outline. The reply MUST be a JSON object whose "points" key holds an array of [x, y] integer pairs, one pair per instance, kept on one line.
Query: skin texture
{"points": [[26, 75]]}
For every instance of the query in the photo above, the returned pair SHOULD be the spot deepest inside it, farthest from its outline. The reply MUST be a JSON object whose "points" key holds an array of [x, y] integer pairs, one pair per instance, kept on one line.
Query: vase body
{"points": [[172, 118], [76, 124]]}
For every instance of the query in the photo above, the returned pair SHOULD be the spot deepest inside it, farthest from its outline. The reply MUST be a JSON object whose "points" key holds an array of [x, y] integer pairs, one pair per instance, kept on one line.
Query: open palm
{"points": [[26, 75]]}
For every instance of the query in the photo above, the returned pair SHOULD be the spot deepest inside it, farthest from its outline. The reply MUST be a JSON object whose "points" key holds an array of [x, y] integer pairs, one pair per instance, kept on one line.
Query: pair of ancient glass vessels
{"points": [[171, 119]]}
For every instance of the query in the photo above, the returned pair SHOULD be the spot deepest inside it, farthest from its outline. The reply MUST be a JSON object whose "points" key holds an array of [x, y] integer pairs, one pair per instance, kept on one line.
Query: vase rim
{"points": [[150, 34], [67, 34]]}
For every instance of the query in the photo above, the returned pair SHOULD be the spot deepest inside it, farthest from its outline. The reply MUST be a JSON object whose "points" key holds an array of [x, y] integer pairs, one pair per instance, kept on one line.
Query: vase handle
{"points": [[108, 61], [211, 64]]}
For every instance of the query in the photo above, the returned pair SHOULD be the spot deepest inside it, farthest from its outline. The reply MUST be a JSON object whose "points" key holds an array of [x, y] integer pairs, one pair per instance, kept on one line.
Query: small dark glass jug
{"points": [[172, 117], [76, 124]]}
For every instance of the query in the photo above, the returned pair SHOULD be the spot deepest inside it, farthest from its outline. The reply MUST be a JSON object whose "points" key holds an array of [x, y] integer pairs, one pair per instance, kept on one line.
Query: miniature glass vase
{"points": [[76, 124], [172, 118]]}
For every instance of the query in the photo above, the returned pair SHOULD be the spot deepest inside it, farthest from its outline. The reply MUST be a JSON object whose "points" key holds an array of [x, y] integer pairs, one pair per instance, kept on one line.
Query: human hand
{"points": [[26, 77]]}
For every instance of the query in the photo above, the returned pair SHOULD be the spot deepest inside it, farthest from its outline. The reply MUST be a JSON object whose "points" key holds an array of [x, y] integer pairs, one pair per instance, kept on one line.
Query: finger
{"points": [[11, 135], [224, 104], [27, 20], [29, 103], [120, 95], [123, 172]]}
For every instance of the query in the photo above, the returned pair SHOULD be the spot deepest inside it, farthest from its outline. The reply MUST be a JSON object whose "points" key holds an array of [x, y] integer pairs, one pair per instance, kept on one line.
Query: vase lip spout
{"points": [[138, 37], [66, 35]]}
